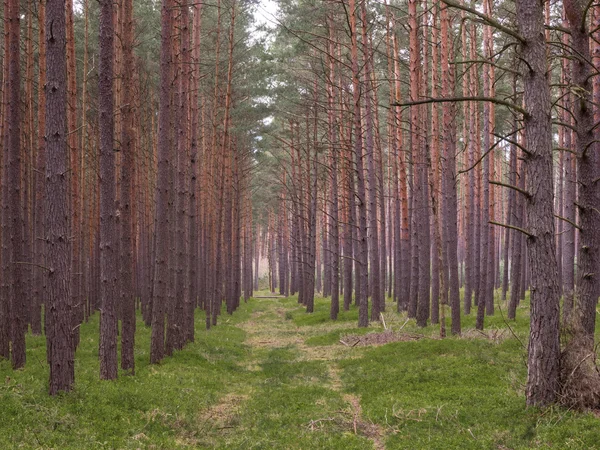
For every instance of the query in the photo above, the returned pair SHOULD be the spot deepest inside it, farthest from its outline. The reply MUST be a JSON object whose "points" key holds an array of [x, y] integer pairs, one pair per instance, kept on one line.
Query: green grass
{"points": [[272, 376]]}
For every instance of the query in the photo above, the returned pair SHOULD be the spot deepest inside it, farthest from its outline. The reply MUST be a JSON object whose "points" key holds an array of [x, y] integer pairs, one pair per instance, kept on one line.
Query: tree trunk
{"points": [[544, 347], [588, 201], [40, 181], [163, 211], [128, 147], [108, 232], [57, 278], [377, 297]]}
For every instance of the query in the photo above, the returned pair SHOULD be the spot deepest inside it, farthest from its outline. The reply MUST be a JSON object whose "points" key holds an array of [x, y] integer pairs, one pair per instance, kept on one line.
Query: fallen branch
{"points": [[312, 423], [383, 321]]}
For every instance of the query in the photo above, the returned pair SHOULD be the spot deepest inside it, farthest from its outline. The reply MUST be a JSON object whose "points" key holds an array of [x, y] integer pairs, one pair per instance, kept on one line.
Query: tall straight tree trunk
{"points": [[482, 294], [312, 216], [194, 257], [490, 118], [333, 230], [177, 323], [349, 225], [544, 347], [13, 214], [40, 181], [85, 165], [588, 201], [420, 290], [164, 187], [377, 296], [393, 146], [108, 231], [362, 244], [449, 175], [128, 146], [518, 255], [474, 183], [75, 157], [570, 193], [405, 241], [27, 151], [512, 180], [5, 320], [59, 333], [439, 266]]}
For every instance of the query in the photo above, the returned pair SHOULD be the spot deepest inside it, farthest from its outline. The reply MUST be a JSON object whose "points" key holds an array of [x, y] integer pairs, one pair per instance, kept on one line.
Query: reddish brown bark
{"points": [[58, 301], [128, 148], [13, 212], [108, 231], [544, 347], [164, 188]]}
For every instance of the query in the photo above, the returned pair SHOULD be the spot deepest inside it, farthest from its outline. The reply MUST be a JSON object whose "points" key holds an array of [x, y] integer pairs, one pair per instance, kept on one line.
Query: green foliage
{"points": [[259, 381], [333, 338], [321, 314]]}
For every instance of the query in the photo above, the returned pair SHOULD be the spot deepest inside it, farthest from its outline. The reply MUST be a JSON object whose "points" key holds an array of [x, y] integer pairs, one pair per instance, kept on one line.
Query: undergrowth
{"points": [[271, 376]]}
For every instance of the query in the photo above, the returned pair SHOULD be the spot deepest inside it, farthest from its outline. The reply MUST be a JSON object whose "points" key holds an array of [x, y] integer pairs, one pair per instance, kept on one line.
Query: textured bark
{"points": [[333, 230], [108, 231], [489, 77], [415, 185], [40, 180], [13, 214], [312, 223], [420, 292], [27, 152], [439, 267], [588, 201], [57, 278], [405, 241], [5, 320], [544, 348], [164, 186], [282, 256], [570, 195], [377, 296], [128, 147], [482, 294], [193, 262], [362, 243], [348, 232], [87, 235], [75, 158], [449, 176], [508, 238], [325, 251], [394, 170]]}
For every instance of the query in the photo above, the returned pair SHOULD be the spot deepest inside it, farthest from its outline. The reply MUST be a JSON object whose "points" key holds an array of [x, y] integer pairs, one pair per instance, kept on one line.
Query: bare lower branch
{"points": [[511, 186], [564, 124], [568, 221], [34, 265], [513, 142], [512, 227], [488, 20], [497, 101]]}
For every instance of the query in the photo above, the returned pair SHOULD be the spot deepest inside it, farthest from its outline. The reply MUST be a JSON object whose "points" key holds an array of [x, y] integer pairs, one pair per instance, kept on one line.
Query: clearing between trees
{"points": [[273, 377]]}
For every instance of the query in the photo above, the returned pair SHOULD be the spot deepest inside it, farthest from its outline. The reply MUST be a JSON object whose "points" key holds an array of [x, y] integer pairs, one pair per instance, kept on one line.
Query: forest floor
{"points": [[273, 377]]}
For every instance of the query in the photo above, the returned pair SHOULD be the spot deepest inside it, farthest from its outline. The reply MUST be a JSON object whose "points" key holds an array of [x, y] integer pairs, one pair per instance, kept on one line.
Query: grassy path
{"points": [[273, 377], [273, 336]]}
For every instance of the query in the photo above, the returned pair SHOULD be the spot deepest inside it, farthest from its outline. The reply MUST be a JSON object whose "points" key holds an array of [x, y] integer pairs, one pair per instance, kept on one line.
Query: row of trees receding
{"points": [[416, 148], [426, 147], [125, 183]]}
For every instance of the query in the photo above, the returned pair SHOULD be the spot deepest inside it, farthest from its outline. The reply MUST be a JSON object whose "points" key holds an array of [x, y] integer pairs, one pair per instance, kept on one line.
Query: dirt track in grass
{"points": [[271, 328]]}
